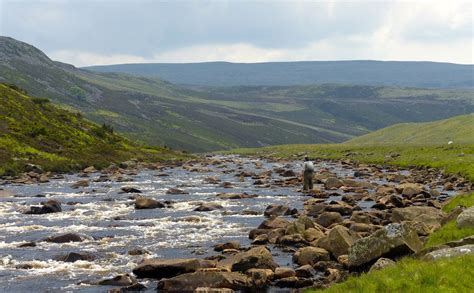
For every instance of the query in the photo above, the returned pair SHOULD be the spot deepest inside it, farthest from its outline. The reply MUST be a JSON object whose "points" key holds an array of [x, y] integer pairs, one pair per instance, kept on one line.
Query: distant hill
{"points": [[201, 118], [386, 73], [458, 130], [32, 130]]}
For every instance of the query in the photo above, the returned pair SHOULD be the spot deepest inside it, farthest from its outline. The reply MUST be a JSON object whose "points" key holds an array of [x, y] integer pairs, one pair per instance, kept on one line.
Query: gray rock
{"points": [[168, 268], [382, 263], [466, 218], [210, 279], [450, 252]]}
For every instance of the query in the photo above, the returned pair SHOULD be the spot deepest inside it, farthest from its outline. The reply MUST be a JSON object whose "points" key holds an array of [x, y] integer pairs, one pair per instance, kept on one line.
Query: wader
{"points": [[308, 180]]}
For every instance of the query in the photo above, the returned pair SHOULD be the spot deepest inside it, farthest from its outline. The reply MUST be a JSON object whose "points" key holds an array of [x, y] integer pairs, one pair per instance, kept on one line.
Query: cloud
{"points": [[102, 32]]}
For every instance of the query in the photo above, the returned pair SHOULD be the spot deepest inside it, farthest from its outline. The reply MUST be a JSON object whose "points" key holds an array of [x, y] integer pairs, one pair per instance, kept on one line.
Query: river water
{"points": [[114, 226]]}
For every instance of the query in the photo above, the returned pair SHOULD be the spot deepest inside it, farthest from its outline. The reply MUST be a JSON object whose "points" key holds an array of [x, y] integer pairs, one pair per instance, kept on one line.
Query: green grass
{"points": [[459, 129], [34, 131], [464, 200], [455, 159], [447, 233], [411, 275]]}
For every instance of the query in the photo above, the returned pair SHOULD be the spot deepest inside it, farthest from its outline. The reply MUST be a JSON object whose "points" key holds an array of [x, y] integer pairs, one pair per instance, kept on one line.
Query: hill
{"points": [[32, 130], [359, 72], [202, 119], [459, 130]]}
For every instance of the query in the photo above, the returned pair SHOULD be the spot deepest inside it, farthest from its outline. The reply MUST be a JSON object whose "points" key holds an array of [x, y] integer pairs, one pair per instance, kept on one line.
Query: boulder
{"points": [[235, 195], [132, 288], [75, 256], [119, 280], [450, 252], [147, 203], [305, 271], [168, 268], [258, 257], [260, 277], [260, 239], [382, 263], [64, 238], [409, 190], [227, 245], [338, 240], [312, 234], [176, 191], [284, 272], [333, 183], [50, 206], [274, 223], [80, 183], [130, 189], [466, 218], [210, 279], [394, 239], [326, 219], [212, 290], [430, 216], [207, 207], [276, 210], [310, 255], [293, 282]]}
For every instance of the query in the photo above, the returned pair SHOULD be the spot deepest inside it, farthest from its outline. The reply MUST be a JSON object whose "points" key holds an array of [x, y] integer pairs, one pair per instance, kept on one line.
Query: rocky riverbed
{"points": [[221, 221]]}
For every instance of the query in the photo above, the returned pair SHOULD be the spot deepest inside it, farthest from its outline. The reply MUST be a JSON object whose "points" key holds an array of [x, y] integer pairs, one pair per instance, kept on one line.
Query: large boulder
{"points": [[168, 268], [50, 206], [258, 257], [333, 183], [394, 239], [338, 240], [466, 218], [409, 190], [430, 216], [147, 203], [210, 279], [310, 255]]}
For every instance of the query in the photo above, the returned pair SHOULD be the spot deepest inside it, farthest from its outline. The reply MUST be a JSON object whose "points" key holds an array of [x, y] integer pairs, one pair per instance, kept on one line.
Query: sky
{"points": [[89, 32]]}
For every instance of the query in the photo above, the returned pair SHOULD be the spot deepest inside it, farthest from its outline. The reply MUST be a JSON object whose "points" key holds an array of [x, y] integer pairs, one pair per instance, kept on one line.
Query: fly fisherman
{"points": [[308, 168]]}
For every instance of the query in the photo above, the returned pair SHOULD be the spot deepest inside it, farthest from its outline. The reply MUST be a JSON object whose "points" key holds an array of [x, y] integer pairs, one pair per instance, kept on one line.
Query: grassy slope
{"points": [[34, 131], [459, 129]]}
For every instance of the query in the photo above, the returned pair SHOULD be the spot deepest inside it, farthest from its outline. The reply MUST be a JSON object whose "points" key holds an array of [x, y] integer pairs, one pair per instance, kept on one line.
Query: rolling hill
{"points": [[202, 119], [458, 130], [32, 130], [359, 72]]}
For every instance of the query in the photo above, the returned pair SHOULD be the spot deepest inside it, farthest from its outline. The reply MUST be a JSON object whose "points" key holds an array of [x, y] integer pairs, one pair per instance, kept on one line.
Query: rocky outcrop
{"points": [[397, 239], [168, 268]]}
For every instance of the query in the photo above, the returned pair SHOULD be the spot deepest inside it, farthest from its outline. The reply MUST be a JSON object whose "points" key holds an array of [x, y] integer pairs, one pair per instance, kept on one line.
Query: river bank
{"points": [[118, 217]]}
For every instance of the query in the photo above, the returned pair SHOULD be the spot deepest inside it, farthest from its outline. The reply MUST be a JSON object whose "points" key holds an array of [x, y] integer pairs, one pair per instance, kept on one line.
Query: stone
{"points": [[212, 290], [207, 207], [396, 238], [326, 219], [64, 238], [90, 169], [305, 271], [132, 288], [258, 257], [130, 189], [176, 191], [276, 210], [409, 190], [466, 218], [235, 195], [333, 183], [227, 245], [284, 272], [168, 268], [50, 206], [382, 263], [292, 239], [293, 282], [260, 239], [80, 183], [338, 240], [430, 216], [147, 203], [119, 280], [75, 256], [260, 277], [450, 252], [310, 255], [211, 279], [274, 223]]}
